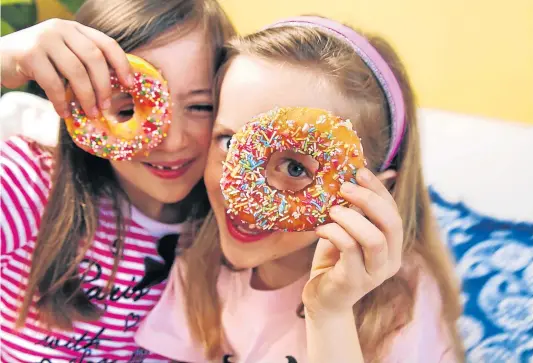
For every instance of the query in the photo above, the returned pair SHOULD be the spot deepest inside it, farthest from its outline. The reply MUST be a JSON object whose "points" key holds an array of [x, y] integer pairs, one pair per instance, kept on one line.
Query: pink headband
{"points": [[375, 62]]}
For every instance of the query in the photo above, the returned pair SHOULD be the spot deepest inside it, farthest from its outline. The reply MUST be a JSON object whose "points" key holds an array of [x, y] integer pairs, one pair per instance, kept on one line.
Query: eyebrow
{"points": [[200, 91]]}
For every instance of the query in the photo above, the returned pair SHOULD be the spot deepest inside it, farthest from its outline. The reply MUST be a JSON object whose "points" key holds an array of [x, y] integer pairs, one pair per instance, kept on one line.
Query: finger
{"points": [[358, 210], [329, 277], [379, 211], [382, 214], [326, 255], [351, 253], [363, 233], [46, 76], [367, 179], [74, 71], [112, 51], [95, 63]]}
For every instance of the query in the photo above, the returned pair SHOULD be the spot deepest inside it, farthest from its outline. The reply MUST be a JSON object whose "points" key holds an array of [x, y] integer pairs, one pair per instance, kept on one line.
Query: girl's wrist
{"points": [[332, 336], [322, 315]]}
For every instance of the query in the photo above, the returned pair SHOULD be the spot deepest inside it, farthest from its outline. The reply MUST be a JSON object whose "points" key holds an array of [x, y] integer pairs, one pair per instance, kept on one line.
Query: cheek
{"points": [[202, 135], [125, 169], [213, 173], [296, 241]]}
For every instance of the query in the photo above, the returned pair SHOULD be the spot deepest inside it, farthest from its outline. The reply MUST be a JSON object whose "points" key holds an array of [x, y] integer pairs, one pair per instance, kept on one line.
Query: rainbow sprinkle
{"points": [[151, 96], [313, 132]]}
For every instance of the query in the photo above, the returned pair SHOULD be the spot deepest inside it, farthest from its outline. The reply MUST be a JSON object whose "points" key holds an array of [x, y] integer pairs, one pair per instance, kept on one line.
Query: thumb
{"points": [[319, 292], [325, 257]]}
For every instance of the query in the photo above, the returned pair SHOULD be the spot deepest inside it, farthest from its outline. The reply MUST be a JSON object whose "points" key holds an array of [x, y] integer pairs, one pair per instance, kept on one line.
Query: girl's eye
{"points": [[293, 168], [121, 109], [224, 142], [203, 108], [126, 113], [290, 170]]}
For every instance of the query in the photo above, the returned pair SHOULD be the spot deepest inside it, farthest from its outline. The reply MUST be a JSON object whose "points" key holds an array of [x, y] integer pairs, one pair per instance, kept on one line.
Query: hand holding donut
{"points": [[137, 123], [57, 49], [359, 251]]}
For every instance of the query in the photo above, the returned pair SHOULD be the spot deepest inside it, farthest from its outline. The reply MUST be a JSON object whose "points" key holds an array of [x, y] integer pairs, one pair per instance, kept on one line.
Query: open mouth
{"points": [[170, 170], [244, 232], [162, 167]]}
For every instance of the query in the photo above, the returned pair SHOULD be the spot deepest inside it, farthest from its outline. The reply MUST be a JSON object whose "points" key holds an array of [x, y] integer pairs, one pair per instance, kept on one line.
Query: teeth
{"points": [[247, 231], [160, 167]]}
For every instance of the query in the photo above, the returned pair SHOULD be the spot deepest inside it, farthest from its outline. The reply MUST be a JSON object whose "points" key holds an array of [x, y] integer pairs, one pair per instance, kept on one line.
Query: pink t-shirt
{"points": [[263, 326], [25, 171]]}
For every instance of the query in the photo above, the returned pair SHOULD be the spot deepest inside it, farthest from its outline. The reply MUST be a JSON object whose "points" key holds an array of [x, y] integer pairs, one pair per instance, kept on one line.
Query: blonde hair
{"points": [[71, 213], [390, 306]]}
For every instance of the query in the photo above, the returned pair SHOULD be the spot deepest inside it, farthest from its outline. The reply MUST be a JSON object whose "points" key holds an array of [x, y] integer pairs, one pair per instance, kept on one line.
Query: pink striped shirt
{"points": [[25, 172]]}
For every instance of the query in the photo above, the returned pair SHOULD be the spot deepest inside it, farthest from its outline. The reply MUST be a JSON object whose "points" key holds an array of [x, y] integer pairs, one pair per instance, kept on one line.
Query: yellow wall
{"points": [[47, 9], [468, 56]]}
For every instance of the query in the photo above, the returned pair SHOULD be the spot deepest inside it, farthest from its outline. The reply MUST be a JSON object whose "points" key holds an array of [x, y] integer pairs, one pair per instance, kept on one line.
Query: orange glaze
{"points": [[329, 139], [147, 128]]}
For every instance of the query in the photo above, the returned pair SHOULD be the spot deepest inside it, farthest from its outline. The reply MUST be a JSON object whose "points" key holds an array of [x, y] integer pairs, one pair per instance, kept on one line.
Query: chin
{"points": [[172, 197], [239, 260]]}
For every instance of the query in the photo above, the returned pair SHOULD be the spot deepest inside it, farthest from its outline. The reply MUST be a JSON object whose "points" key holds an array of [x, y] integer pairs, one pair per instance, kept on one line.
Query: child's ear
{"points": [[388, 177]]}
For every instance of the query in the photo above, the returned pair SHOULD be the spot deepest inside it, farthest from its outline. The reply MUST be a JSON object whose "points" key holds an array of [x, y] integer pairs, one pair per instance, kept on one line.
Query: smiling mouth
{"points": [[163, 167], [245, 232], [171, 170], [247, 229]]}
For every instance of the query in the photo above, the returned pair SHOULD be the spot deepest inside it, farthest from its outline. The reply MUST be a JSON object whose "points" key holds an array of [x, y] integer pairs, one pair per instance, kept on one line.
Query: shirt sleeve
{"points": [[165, 331], [426, 338], [25, 182]]}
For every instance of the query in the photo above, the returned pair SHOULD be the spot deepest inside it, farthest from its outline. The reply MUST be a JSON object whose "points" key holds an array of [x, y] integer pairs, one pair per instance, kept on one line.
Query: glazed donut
{"points": [[108, 138], [328, 139]]}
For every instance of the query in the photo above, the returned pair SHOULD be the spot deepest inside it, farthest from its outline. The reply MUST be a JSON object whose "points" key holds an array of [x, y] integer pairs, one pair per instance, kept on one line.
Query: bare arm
{"points": [[355, 254], [60, 49], [332, 338]]}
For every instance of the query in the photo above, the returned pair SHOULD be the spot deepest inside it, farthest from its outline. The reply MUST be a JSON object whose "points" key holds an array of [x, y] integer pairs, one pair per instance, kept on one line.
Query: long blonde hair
{"points": [[390, 306], [80, 180]]}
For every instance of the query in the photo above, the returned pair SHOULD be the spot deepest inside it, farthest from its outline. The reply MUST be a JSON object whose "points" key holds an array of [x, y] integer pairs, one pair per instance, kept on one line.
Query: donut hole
{"points": [[290, 170], [122, 108]]}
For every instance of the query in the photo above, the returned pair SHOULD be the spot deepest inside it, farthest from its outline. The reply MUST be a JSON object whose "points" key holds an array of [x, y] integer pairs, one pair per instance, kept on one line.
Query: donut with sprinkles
{"points": [[328, 139], [110, 139]]}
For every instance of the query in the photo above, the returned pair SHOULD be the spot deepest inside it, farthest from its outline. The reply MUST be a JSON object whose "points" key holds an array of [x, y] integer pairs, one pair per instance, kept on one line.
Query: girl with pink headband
{"points": [[377, 284]]}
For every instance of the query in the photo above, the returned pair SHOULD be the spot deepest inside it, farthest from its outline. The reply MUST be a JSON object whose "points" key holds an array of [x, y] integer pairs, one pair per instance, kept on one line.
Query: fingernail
{"points": [[93, 112], [335, 210], [348, 188], [364, 175], [106, 104], [65, 113], [130, 80]]}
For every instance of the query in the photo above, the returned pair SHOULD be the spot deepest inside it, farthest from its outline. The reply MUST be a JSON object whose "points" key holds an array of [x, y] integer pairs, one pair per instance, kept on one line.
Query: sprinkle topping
{"points": [[110, 139], [330, 140]]}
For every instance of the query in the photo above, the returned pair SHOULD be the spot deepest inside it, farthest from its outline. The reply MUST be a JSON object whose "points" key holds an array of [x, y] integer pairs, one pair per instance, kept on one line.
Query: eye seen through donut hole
{"points": [[290, 170], [122, 107]]}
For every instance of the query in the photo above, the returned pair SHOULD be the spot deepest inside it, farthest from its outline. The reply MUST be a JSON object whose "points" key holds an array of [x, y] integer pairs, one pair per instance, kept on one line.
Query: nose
{"points": [[177, 135]]}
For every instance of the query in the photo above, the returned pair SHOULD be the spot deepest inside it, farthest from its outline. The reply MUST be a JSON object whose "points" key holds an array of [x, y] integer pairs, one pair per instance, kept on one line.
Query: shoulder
{"points": [[25, 167], [25, 164], [165, 330], [426, 337], [26, 146]]}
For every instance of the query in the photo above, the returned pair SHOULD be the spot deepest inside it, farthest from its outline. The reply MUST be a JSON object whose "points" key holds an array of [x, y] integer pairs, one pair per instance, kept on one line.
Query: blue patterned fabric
{"points": [[495, 262]]}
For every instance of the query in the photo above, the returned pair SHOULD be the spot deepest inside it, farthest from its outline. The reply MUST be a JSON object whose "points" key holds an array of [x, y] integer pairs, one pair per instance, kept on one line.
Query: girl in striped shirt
{"points": [[87, 243]]}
